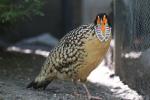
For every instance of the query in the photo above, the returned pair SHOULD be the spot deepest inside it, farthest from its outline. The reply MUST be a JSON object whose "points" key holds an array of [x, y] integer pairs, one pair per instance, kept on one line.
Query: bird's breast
{"points": [[95, 51]]}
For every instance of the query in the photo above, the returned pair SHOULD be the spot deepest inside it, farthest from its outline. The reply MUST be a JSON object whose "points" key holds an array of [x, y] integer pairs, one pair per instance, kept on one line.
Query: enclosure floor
{"points": [[17, 70]]}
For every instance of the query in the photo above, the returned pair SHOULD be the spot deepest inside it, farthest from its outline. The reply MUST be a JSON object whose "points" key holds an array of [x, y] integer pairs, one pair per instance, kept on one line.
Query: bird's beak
{"points": [[102, 28], [103, 23]]}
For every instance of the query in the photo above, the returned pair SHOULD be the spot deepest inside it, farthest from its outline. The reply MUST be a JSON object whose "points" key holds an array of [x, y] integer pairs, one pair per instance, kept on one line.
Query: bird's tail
{"points": [[37, 85], [43, 79]]}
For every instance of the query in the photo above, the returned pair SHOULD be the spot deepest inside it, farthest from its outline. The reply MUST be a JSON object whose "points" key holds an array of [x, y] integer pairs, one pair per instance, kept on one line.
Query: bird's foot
{"points": [[94, 97], [76, 94], [90, 97]]}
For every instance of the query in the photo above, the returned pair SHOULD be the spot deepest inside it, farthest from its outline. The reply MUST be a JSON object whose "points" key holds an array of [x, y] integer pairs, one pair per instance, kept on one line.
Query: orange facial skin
{"points": [[103, 22], [98, 20]]}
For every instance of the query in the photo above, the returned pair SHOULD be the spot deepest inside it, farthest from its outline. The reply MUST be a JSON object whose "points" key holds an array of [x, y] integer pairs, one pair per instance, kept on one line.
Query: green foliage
{"points": [[16, 10]]}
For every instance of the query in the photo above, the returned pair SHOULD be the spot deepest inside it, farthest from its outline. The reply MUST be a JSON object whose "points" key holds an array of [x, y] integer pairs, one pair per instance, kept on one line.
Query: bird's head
{"points": [[103, 21]]}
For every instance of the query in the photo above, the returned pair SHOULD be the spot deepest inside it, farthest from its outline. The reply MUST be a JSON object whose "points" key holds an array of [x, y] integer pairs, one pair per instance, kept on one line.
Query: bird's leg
{"points": [[90, 97], [75, 89]]}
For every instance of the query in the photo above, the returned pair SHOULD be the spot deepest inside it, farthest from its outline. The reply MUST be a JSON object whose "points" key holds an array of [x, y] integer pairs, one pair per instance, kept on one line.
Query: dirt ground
{"points": [[17, 70]]}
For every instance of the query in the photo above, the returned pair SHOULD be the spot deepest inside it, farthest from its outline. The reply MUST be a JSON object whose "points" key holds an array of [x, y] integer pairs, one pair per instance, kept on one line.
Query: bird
{"points": [[77, 54]]}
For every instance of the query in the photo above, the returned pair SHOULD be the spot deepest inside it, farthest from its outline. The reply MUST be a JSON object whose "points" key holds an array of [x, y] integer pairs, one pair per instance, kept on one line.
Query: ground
{"points": [[18, 69]]}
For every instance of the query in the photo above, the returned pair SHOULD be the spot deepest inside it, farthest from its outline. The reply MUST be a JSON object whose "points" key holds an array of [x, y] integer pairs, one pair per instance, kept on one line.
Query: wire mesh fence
{"points": [[132, 34]]}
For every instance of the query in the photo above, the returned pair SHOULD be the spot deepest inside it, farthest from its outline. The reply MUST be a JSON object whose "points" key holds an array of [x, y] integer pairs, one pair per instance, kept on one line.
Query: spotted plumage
{"points": [[76, 55]]}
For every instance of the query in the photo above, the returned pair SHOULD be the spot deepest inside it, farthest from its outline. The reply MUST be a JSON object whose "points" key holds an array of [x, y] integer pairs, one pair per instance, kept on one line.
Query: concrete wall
{"points": [[58, 19], [90, 8]]}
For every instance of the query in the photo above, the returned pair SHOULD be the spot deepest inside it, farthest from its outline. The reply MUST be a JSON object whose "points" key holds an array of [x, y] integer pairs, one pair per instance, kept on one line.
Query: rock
{"points": [[45, 38], [40, 45]]}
